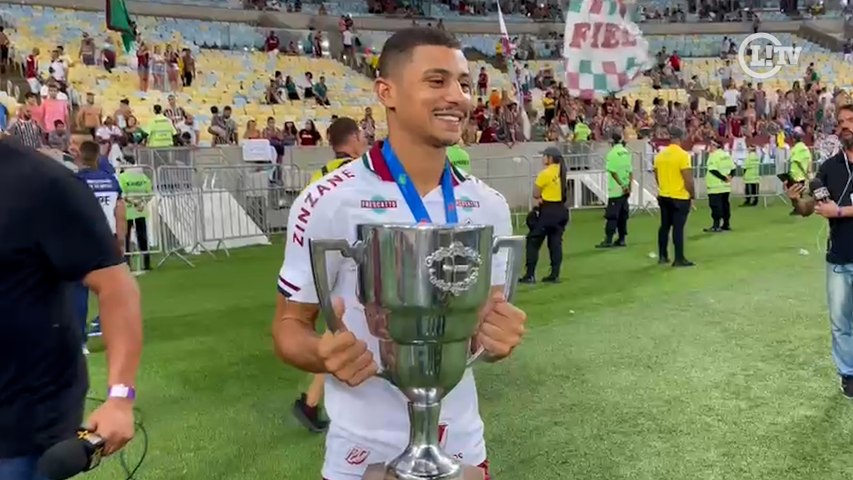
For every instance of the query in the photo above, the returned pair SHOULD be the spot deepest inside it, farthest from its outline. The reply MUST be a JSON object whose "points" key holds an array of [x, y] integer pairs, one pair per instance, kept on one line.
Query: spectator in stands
{"points": [[89, 115], [173, 68], [55, 109], [222, 127], [87, 50], [368, 126], [289, 135], [321, 92], [309, 136], [189, 128], [133, 133], [252, 132], [59, 138], [108, 56], [4, 50], [272, 43], [107, 135], [290, 88], [58, 70], [188, 72], [158, 69], [308, 91], [174, 112], [27, 130], [31, 71], [273, 94], [122, 113]]}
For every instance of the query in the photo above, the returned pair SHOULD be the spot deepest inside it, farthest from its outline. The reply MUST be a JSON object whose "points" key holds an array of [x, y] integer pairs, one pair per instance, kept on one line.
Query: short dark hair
{"points": [[846, 107], [158, 109], [89, 152], [340, 130], [399, 46]]}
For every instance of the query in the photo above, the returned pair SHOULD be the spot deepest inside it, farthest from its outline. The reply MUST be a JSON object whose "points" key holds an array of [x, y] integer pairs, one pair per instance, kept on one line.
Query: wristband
{"points": [[121, 391]]}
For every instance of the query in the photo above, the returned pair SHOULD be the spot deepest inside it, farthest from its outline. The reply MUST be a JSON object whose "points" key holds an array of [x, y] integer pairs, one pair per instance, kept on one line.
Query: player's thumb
{"points": [[498, 297]]}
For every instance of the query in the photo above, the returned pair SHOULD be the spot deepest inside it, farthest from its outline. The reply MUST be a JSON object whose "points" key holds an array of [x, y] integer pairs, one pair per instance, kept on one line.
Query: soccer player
{"points": [[348, 143], [107, 191], [674, 175], [425, 86], [54, 235]]}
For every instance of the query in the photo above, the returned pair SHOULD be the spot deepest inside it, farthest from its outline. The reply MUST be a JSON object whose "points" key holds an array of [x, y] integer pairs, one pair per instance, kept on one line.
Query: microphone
{"points": [[70, 457], [819, 192]]}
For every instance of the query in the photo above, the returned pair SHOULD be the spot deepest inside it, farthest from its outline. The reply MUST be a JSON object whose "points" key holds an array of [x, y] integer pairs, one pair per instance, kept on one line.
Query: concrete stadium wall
{"points": [[303, 21]]}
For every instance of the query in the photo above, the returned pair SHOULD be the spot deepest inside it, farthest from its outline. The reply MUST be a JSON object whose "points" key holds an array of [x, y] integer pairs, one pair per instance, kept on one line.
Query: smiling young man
{"points": [[425, 86]]}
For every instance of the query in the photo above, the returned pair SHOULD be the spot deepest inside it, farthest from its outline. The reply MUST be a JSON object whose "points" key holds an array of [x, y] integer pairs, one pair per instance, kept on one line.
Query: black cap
{"points": [[616, 137], [552, 152]]}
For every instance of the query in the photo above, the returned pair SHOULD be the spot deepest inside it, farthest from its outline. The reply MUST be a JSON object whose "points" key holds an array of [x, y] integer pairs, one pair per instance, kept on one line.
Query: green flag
{"points": [[118, 20]]}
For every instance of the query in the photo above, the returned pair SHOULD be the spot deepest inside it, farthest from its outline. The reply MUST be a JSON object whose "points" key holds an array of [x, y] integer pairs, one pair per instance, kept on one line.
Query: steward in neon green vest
{"points": [[720, 167]]}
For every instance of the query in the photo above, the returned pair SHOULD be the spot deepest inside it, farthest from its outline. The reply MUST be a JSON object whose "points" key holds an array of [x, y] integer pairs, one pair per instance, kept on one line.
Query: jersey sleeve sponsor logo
{"points": [[312, 198]]}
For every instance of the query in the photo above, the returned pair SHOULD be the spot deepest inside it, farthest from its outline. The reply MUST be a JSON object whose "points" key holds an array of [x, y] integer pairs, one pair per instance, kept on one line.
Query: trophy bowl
{"points": [[421, 287]]}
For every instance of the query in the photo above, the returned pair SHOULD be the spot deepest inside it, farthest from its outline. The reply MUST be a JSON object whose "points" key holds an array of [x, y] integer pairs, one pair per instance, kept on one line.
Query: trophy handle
{"points": [[515, 252], [318, 250]]}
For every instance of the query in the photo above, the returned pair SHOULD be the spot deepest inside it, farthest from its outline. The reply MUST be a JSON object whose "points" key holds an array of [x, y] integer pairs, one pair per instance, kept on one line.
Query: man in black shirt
{"points": [[836, 174], [54, 233]]}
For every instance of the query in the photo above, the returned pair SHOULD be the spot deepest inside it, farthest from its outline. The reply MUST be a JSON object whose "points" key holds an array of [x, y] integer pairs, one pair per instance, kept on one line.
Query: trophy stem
{"points": [[423, 419], [423, 458]]}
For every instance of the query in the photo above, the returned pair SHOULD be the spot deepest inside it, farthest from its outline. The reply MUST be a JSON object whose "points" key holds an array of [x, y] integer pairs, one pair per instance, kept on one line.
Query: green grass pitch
{"points": [[630, 370]]}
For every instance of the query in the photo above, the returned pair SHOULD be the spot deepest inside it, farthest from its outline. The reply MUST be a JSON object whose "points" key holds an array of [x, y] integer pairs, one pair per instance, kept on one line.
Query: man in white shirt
{"points": [[425, 86], [731, 97]]}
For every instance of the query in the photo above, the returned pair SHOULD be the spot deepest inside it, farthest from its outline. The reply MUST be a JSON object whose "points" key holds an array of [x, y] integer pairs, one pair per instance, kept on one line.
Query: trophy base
{"points": [[378, 471]]}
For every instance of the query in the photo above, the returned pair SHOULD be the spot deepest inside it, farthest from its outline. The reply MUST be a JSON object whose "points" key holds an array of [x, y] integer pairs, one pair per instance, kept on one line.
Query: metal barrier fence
{"points": [[198, 205]]}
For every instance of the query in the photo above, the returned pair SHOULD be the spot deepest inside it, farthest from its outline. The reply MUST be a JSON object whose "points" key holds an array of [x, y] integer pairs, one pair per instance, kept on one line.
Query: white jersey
{"points": [[369, 423]]}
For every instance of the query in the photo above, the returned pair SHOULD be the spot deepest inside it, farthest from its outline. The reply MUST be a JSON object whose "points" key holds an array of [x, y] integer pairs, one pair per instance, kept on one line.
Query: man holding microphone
{"points": [[54, 235], [832, 198]]}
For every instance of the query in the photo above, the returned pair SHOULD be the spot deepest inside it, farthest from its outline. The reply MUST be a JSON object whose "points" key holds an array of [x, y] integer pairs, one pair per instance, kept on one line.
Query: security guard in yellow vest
{"points": [[800, 165], [348, 143], [718, 182], [751, 177]]}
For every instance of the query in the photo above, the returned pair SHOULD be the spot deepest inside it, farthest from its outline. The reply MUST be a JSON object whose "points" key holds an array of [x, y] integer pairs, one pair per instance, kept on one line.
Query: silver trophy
{"points": [[421, 287]]}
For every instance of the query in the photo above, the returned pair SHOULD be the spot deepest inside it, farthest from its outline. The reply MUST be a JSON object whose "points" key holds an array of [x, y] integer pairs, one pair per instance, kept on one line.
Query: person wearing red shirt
{"points": [[271, 43], [32, 71], [675, 61], [309, 136]]}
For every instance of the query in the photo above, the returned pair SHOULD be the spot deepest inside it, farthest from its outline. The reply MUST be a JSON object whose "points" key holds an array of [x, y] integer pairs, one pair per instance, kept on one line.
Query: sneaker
{"points": [[551, 279], [727, 228], [529, 279], [95, 328], [308, 416], [604, 244], [663, 261], [712, 230], [620, 243], [683, 263], [847, 387]]}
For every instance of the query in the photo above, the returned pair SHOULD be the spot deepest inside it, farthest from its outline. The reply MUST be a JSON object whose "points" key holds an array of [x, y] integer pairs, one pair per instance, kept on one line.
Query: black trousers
{"points": [[721, 209], [673, 217], [550, 224], [616, 214], [751, 191], [141, 227]]}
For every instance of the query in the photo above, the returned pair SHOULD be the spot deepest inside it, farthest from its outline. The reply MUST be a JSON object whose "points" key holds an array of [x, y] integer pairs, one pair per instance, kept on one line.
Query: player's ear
{"points": [[385, 93]]}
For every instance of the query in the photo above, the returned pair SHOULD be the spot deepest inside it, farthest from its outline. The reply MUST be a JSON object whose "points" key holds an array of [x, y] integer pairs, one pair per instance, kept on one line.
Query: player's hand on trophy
{"points": [[501, 326], [345, 356]]}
